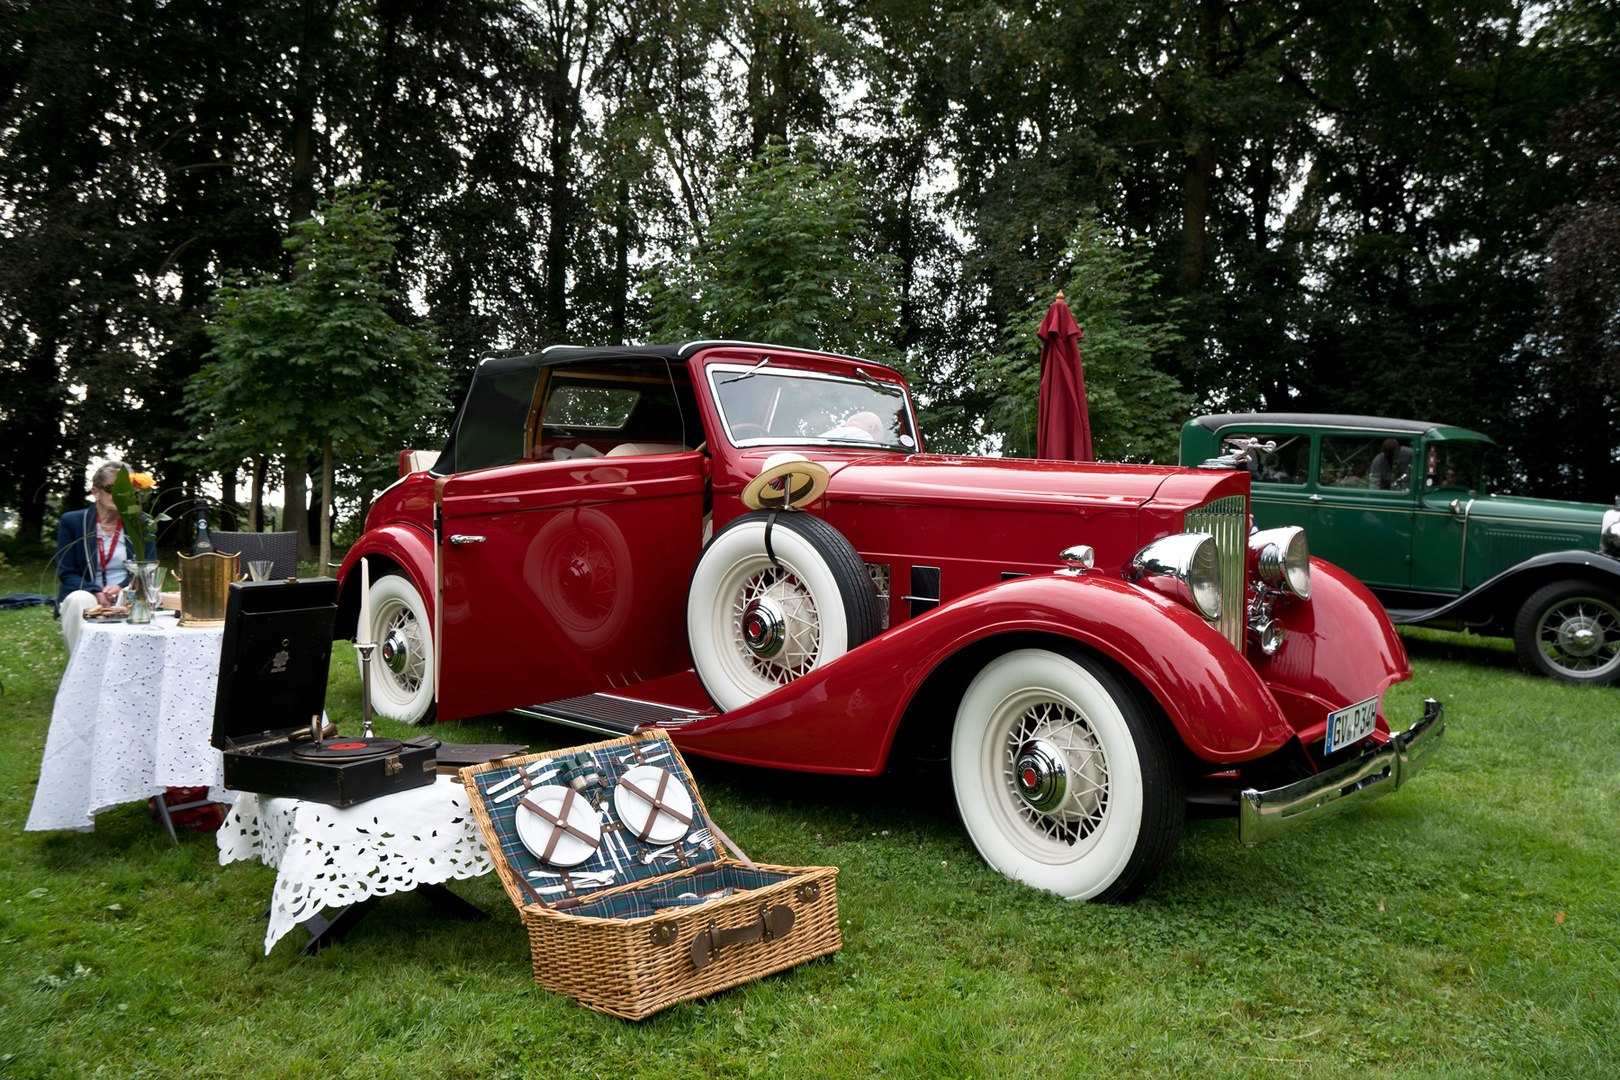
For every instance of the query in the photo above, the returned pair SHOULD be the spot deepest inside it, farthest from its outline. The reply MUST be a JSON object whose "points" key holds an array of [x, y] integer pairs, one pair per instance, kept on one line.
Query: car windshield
{"points": [[765, 403]]}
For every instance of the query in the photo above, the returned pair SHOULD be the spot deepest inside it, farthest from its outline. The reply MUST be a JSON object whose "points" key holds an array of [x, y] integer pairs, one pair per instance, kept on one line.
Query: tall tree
{"points": [[1130, 335], [784, 260], [317, 364]]}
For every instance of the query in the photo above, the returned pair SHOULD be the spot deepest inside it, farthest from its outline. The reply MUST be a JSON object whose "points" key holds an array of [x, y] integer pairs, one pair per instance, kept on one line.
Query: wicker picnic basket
{"points": [[644, 921]]}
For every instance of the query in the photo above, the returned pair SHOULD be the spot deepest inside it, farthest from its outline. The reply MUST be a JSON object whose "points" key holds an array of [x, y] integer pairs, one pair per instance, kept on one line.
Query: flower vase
{"points": [[145, 588]]}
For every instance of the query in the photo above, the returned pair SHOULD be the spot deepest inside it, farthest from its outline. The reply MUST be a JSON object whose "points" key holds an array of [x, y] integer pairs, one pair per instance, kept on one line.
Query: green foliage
{"points": [[318, 358], [1136, 409], [786, 259]]}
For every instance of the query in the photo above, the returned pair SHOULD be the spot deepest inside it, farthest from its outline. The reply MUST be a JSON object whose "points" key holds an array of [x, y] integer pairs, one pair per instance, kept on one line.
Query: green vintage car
{"points": [[1404, 505]]}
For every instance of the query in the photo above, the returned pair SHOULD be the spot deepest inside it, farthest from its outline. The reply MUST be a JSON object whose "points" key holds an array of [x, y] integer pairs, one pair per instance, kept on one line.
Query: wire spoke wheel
{"points": [[801, 625], [1570, 630], [1059, 725], [1582, 636]]}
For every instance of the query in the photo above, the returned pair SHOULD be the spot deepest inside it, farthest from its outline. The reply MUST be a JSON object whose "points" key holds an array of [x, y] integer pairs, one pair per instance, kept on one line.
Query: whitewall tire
{"points": [[754, 623], [402, 664], [1065, 777]]}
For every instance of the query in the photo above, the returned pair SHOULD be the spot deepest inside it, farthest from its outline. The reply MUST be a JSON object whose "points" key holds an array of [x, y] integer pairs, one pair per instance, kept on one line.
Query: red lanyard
{"points": [[106, 552]]}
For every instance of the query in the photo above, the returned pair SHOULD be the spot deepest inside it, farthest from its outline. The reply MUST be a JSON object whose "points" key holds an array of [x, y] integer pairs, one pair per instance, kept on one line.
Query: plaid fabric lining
{"points": [[638, 903], [624, 860]]}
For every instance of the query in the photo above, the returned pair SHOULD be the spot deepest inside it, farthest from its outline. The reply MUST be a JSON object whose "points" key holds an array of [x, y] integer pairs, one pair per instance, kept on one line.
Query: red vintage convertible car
{"points": [[746, 545]]}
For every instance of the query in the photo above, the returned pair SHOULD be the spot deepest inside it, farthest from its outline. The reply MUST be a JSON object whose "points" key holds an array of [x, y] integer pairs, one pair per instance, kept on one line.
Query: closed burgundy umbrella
{"points": [[1064, 433]]}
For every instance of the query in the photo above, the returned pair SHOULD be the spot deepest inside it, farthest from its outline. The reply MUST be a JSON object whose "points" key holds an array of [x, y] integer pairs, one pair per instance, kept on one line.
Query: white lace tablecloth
{"points": [[133, 716], [329, 856]]}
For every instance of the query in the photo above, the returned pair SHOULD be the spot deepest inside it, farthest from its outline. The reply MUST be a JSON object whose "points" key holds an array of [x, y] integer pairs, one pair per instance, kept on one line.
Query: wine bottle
{"points": [[204, 540]]}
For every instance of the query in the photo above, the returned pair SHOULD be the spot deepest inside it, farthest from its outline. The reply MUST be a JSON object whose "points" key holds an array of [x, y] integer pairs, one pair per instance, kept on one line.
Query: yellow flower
{"points": [[141, 480]]}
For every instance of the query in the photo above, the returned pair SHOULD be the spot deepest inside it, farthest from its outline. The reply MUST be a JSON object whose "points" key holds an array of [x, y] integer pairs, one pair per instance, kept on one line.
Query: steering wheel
{"points": [[740, 431]]}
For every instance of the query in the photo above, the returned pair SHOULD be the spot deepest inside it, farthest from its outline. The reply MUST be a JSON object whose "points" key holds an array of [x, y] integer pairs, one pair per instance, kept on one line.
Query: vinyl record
{"points": [[567, 846], [339, 748], [663, 824]]}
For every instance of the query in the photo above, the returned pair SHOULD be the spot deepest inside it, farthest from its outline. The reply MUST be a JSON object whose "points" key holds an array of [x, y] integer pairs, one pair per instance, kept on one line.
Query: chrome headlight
{"points": [[1609, 533], [1184, 566], [1283, 559]]}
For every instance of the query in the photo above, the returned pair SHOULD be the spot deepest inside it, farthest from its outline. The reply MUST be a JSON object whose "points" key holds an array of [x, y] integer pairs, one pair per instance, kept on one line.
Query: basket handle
{"points": [[772, 923]]}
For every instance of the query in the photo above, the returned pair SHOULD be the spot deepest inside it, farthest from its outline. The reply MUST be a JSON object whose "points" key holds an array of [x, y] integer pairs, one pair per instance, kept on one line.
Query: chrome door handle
{"points": [[458, 539], [1316, 498]]}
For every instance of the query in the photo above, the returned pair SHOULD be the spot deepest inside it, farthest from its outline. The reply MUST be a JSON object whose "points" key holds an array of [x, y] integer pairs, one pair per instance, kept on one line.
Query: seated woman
{"points": [[91, 550]]}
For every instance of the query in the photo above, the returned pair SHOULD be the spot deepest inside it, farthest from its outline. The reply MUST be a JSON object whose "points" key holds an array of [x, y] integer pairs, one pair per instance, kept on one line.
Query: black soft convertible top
{"points": [[496, 395]]}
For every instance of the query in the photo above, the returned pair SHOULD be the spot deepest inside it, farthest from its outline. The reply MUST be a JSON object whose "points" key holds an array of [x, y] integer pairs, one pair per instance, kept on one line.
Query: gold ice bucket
{"points": [[205, 582]]}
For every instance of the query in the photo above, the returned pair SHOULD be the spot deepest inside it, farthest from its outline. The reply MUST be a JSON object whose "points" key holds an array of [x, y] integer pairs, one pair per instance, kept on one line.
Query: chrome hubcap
{"points": [[396, 652], [1580, 636], [764, 627], [1042, 778]]}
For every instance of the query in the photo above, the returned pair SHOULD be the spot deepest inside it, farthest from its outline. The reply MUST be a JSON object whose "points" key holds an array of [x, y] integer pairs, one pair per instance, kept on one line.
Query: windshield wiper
{"points": [[749, 374], [881, 387]]}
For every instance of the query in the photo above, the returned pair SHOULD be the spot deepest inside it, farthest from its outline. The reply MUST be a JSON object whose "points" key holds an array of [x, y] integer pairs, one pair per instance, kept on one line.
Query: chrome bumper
{"points": [[1263, 815]]}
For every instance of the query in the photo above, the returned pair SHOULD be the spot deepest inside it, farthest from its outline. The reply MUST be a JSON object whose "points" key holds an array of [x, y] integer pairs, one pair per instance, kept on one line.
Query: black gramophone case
{"points": [[272, 681]]}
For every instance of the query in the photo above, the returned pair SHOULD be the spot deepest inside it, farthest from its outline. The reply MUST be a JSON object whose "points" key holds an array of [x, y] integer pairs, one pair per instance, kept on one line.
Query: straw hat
{"points": [[788, 480]]}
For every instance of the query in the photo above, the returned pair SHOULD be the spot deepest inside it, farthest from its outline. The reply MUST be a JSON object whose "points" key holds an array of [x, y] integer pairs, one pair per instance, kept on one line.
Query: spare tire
{"points": [[757, 619]]}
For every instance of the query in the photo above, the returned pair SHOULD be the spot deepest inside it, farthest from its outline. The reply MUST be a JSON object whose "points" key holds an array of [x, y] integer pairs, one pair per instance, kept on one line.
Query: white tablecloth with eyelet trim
{"points": [[133, 716], [329, 856]]}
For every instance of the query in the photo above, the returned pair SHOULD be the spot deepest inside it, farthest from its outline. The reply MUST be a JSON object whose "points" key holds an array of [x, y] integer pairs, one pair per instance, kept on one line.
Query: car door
{"points": [[562, 578], [1359, 512]]}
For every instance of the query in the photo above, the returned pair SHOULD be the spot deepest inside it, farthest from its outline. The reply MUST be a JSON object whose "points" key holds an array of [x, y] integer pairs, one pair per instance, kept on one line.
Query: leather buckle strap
{"points": [[772, 923]]}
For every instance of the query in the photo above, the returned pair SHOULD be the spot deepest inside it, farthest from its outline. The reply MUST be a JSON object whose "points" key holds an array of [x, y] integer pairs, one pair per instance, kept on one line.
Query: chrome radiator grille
{"points": [[1227, 520]]}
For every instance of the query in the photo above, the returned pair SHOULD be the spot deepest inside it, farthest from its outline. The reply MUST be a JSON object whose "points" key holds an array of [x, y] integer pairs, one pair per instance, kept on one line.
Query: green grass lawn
{"points": [[1468, 926]]}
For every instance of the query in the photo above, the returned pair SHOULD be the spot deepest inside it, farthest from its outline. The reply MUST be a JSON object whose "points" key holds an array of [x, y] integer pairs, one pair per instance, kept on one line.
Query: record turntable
{"points": [[268, 711]]}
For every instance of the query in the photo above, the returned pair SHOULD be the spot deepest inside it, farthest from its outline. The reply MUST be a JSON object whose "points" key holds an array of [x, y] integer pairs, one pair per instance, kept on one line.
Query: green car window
{"points": [[1455, 465], [1366, 462]]}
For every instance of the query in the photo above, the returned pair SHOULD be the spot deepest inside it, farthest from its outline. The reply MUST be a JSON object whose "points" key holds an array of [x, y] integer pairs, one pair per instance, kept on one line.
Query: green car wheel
{"points": [[1570, 630]]}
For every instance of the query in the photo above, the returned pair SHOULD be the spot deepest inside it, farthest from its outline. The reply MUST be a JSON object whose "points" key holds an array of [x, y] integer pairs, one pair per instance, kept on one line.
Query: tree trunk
{"points": [[227, 500], [41, 416], [560, 209], [618, 328], [326, 508], [294, 511], [256, 509], [311, 36], [1196, 180]]}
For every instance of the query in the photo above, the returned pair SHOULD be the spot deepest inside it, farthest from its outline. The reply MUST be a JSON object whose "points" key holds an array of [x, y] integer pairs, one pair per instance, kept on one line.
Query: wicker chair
{"points": [[281, 548]]}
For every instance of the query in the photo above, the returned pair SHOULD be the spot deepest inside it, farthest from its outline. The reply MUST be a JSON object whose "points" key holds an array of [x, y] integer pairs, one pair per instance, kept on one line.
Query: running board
{"points": [[608, 714]]}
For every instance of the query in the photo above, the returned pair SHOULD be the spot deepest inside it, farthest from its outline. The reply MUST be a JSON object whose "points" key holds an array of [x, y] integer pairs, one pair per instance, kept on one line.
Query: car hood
{"points": [[995, 482], [1582, 515]]}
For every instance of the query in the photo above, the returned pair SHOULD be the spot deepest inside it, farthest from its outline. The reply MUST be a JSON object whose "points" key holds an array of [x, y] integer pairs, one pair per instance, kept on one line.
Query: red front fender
{"points": [[841, 718]]}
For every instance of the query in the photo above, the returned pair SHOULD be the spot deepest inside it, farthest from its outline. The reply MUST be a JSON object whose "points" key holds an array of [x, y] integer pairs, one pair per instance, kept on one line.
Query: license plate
{"points": [[1350, 725]]}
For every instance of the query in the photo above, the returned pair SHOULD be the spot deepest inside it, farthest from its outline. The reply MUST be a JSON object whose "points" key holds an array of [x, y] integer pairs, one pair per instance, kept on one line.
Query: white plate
{"points": [[1350, 725], [535, 831], [634, 810]]}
